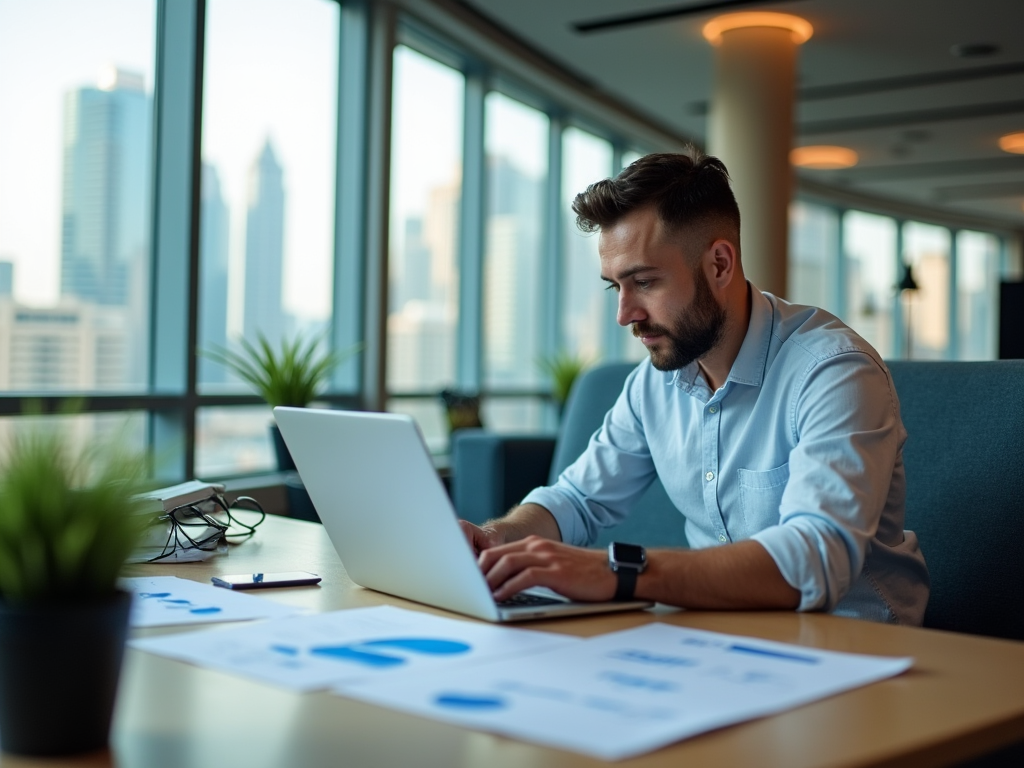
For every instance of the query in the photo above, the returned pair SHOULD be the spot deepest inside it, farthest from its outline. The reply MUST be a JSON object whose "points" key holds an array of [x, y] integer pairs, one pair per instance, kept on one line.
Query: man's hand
{"points": [[481, 537], [576, 573], [520, 522]]}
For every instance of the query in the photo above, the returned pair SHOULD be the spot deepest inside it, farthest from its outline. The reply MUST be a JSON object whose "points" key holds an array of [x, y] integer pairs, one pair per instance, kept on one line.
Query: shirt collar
{"points": [[748, 368]]}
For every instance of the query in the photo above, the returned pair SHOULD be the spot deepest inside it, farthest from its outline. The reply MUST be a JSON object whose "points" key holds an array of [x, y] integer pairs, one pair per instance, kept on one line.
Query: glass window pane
{"points": [[926, 310], [813, 237], [233, 441], [630, 156], [870, 245], [517, 168], [82, 430], [977, 289], [75, 194], [426, 191], [519, 415], [268, 177], [585, 305], [430, 416]]}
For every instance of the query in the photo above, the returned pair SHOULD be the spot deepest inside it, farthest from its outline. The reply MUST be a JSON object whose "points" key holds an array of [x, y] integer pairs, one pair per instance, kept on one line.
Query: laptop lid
{"points": [[373, 483]]}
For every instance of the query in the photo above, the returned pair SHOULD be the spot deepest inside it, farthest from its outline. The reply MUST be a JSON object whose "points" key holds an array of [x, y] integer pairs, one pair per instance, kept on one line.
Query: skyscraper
{"points": [[264, 249], [213, 273], [511, 273], [105, 202]]}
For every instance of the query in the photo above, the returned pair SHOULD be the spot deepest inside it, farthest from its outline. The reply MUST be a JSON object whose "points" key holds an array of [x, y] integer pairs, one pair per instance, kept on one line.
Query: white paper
{"points": [[622, 694], [162, 601], [311, 652]]}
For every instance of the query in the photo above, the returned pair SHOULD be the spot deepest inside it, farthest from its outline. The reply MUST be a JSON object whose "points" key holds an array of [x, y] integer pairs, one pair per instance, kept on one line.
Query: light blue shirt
{"points": [[801, 450]]}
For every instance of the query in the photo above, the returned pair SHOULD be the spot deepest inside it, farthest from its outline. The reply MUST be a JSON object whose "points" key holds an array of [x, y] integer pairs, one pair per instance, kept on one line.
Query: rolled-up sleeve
{"points": [[600, 488], [847, 431]]}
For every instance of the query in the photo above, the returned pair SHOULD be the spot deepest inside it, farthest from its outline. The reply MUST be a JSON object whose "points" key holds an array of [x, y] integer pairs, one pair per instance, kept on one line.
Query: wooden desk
{"points": [[964, 696]]}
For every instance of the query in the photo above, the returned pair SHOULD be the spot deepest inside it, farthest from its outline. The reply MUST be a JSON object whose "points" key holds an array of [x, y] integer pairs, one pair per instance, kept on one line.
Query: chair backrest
{"points": [[964, 458], [655, 522]]}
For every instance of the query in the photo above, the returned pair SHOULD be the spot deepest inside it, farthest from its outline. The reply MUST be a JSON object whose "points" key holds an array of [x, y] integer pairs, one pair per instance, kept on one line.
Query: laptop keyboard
{"points": [[526, 599]]}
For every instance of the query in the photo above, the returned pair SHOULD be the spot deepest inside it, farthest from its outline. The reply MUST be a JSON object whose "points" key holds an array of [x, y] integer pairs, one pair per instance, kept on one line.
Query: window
{"points": [[75, 195], [267, 209], [426, 189], [977, 282], [516, 139], [630, 156], [587, 310], [127, 428], [290, 224], [870, 277], [926, 310], [813, 256]]}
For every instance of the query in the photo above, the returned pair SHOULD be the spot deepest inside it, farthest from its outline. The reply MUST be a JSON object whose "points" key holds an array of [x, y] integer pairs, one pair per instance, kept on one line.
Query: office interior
{"points": [[395, 178]]}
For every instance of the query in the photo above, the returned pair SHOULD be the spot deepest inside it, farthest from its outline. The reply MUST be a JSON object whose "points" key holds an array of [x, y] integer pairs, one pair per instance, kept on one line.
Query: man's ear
{"points": [[722, 261]]}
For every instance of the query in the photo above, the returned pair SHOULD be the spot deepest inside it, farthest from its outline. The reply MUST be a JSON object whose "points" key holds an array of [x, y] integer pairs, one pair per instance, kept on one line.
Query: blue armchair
{"points": [[491, 473], [965, 481]]}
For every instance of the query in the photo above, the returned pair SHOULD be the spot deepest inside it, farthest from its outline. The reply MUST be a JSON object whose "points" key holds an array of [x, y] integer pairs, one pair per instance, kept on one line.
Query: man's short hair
{"points": [[688, 190]]}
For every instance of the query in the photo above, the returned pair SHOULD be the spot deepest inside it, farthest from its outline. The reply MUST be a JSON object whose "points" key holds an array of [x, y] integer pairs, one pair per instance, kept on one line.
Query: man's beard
{"points": [[696, 331]]}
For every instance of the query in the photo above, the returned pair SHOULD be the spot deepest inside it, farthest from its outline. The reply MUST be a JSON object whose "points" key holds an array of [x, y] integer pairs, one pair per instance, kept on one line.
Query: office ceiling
{"points": [[879, 76]]}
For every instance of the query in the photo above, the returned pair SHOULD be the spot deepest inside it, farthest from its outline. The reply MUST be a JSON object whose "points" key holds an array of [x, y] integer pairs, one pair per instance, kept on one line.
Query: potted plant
{"points": [[68, 522], [291, 374], [563, 368]]}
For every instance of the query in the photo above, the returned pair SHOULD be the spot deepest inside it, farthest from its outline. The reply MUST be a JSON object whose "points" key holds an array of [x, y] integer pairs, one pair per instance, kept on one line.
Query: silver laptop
{"points": [[389, 517]]}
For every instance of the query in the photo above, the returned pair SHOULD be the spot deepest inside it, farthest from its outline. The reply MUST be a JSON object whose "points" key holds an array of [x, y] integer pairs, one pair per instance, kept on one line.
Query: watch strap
{"points": [[627, 583]]}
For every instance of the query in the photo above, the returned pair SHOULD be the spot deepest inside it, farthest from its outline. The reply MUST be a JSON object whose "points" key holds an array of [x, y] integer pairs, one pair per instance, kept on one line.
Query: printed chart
{"points": [[311, 652], [162, 601], [625, 693]]}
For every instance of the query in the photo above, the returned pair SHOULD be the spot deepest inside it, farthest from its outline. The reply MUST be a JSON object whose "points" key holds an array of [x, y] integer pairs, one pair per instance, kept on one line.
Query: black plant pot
{"points": [[300, 506], [284, 456], [59, 667]]}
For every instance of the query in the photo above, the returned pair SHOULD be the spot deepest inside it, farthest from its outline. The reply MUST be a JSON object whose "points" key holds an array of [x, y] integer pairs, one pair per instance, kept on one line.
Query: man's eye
{"points": [[612, 287], [643, 283]]}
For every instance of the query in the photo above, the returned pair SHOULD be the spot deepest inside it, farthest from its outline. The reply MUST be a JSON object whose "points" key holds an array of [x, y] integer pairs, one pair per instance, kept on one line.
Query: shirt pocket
{"points": [[761, 497]]}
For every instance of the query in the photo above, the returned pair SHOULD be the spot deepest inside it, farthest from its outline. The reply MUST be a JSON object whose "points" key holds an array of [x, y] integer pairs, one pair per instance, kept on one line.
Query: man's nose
{"points": [[629, 311]]}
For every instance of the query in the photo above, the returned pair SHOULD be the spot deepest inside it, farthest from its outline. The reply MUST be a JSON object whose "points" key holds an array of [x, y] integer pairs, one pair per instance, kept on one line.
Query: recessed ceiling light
{"points": [[800, 29], [974, 50], [823, 157], [1012, 142]]}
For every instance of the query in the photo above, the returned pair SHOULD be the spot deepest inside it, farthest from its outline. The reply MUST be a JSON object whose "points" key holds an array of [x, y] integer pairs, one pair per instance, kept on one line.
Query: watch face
{"points": [[628, 554]]}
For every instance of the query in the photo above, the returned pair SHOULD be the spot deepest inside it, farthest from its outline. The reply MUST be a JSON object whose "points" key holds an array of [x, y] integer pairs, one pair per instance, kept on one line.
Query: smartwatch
{"points": [[627, 561]]}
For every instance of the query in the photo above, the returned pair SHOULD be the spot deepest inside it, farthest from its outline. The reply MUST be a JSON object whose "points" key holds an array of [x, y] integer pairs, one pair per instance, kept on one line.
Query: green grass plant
{"points": [[68, 519], [291, 374], [563, 368]]}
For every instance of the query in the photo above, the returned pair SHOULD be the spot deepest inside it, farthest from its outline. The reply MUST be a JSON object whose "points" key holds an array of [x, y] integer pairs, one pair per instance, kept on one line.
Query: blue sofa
{"points": [[965, 481]]}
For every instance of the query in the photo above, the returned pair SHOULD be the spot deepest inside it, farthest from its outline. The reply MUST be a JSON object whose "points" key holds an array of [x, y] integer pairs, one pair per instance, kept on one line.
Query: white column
{"points": [[750, 128]]}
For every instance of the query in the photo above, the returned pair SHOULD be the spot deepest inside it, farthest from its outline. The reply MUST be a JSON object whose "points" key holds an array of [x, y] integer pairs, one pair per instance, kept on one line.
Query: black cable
{"points": [[178, 527]]}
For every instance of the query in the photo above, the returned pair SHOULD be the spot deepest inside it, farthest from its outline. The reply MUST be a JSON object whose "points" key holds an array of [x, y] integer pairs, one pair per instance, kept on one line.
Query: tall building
{"points": [[264, 249], [106, 182], [71, 347], [213, 273], [410, 273], [421, 330], [511, 278]]}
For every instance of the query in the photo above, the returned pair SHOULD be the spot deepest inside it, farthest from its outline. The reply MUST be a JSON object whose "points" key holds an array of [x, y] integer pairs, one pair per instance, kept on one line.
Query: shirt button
{"points": [[721, 537], [713, 409], [709, 476]]}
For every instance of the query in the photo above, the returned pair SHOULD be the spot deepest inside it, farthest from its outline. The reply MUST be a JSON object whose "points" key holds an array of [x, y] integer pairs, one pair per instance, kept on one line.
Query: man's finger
{"points": [[529, 577]]}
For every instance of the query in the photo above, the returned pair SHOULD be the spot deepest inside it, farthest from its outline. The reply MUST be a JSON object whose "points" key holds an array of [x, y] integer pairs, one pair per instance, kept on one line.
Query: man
{"points": [[774, 428]]}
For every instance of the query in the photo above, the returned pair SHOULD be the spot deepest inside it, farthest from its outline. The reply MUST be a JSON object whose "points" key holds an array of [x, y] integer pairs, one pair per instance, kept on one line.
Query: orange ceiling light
{"points": [[823, 157], [800, 29], [1013, 142]]}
